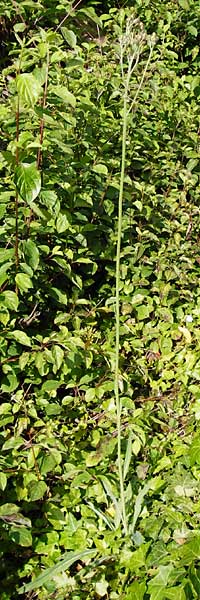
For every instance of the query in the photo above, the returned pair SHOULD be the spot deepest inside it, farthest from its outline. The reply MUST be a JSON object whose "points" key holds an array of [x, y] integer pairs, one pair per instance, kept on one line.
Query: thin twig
{"points": [[73, 8], [17, 9], [17, 197], [143, 76], [39, 154], [17, 163]]}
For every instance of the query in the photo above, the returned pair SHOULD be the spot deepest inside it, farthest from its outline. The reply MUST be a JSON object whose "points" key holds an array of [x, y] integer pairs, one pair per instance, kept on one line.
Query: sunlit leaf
{"points": [[64, 95], [23, 281], [29, 89], [69, 36], [28, 181], [67, 560], [21, 337]]}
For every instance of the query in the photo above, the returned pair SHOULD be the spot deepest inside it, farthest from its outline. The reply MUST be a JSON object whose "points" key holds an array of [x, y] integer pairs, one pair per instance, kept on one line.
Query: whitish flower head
{"points": [[189, 318]]}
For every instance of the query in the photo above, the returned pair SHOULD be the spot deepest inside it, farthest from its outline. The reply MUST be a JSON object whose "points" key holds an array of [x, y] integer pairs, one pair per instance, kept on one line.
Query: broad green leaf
{"points": [[6, 254], [157, 585], [136, 446], [10, 299], [47, 463], [9, 383], [58, 356], [62, 223], [31, 254], [184, 490], [23, 360], [176, 593], [190, 551], [53, 409], [164, 463], [5, 408], [29, 89], [43, 49], [69, 36], [93, 458], [100, 169], [21, 337], [134, 560], [8, 509], [194, 451], [13, 442], [90, 12], [143, 312], [36, 490], [21, 536], [193, 162], [138, 557], [4, 315], [194, 31], [57, 56], [64, 94], [135, 591], [59, 296], [185, 4], [67, 560], [23, 282], [28, 181], [41, 364], [90, 394], [50, 385], [19, 27]]}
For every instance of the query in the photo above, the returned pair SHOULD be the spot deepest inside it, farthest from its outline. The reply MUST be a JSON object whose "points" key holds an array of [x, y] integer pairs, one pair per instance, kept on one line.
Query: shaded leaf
{"points": [[36, 490], [31, 254], [21, 536]]}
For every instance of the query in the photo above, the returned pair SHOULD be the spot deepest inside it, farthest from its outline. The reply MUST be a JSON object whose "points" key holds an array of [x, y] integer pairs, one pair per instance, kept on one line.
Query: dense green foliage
{"points": [[61, 129]]}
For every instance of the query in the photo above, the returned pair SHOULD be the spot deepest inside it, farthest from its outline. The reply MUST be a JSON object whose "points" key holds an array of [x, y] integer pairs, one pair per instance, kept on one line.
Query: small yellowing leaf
{"points": [[186, 333]]}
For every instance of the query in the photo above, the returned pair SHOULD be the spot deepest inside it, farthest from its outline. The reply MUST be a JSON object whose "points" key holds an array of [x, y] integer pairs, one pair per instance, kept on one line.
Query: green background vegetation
{"points": [[61, 113]]}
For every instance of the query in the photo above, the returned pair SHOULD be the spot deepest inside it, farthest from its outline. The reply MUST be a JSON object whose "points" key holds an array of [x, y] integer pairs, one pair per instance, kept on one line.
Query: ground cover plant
{"points": [[100, 300]]}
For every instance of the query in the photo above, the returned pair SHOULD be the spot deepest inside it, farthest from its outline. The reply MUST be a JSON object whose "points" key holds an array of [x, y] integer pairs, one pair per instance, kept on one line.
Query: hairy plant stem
{"points": [[117, 315], [132, 63]]}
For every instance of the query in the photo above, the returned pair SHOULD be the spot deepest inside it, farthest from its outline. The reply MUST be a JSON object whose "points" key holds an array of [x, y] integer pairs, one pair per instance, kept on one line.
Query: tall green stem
{"points": [[117, 313], [132, 63]]}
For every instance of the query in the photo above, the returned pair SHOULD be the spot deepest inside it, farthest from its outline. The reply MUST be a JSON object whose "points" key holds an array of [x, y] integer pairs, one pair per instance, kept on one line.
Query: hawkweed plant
{"points": [[131, 46]]}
